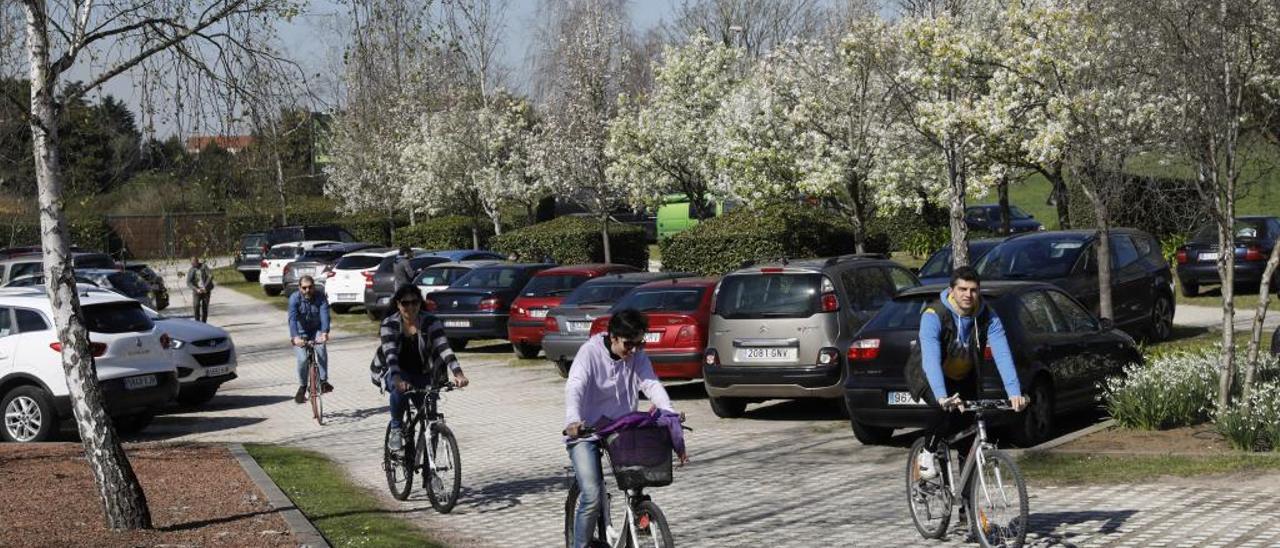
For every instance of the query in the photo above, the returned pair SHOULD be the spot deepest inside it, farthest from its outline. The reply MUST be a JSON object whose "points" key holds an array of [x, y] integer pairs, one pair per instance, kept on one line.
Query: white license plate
{"points": [[538, 313], [766, 354], [903, 398], [1208, 257], [346, 296], [652, 336], [144, 381], [217, 371], [273, 278], [457, 323], [579, 326], [306, 272]]}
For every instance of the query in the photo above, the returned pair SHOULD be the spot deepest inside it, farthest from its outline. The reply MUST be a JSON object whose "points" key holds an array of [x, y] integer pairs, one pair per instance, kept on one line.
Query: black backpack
{"points": [[917, 381]]}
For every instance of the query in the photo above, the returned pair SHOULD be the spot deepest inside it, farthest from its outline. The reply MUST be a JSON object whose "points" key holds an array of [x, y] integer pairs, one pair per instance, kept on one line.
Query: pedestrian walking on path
{"points": [[200, 280], [403, 270]]}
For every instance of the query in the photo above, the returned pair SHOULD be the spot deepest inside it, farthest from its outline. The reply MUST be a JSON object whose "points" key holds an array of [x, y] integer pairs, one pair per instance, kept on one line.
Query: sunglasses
{"points": [[410, 302], [632, 345]]}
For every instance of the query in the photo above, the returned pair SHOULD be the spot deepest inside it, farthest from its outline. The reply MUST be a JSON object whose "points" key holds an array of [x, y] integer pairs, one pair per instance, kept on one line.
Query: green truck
{"points": [[676, 214]]}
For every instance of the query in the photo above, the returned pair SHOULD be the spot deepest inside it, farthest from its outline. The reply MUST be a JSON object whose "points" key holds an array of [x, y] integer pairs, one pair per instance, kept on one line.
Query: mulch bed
{"points": [[198, 495], [1189, 440]]}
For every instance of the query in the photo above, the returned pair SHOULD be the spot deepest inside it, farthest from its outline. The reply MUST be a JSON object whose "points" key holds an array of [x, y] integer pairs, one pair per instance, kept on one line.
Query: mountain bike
{"points": [[428, 448], [990, 488], [314, 388], [639, 458]]}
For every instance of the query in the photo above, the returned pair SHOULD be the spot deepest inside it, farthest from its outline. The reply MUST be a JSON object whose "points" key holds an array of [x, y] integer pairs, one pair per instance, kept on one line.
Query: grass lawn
{"points": [[1072, 469], [908, 260], [345, 514], [357, 322]]}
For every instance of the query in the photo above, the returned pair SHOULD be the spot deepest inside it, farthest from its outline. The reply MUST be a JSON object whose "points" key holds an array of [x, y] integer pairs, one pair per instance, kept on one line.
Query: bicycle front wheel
{"points": [[444, 474], [651, 526], [998, 503], [398, 466], [314, 391], [928, 498]]}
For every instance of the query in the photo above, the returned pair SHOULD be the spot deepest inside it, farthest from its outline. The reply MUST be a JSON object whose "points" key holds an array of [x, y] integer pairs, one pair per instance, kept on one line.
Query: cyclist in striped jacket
{"points": [[416, 352]]}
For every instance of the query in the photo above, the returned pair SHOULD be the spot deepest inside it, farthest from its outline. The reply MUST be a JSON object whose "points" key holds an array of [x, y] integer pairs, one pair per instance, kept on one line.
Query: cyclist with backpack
{"points": [[953, 333]]}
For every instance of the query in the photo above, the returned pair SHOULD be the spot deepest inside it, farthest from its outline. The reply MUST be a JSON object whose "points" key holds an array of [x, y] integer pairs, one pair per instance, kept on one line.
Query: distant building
{"points": [[230, 143]]}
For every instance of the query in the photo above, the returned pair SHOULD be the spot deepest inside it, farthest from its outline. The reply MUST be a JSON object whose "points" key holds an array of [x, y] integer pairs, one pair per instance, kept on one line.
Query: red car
{"points": [[679, 314], [544, 292]]}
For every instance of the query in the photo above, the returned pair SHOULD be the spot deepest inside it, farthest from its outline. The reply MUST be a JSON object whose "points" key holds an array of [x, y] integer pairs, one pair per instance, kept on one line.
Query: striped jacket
{"points": [[433, 335]]}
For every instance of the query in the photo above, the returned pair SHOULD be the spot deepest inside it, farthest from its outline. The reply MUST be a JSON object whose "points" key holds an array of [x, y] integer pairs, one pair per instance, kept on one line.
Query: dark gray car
{"points": [[253, 248], [572, 318], [317, 263]]}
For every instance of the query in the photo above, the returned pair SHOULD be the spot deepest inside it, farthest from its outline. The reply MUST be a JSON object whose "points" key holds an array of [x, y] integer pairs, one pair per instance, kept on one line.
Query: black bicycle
{"points": [[996, 494], [639, 458], [428, 448]]}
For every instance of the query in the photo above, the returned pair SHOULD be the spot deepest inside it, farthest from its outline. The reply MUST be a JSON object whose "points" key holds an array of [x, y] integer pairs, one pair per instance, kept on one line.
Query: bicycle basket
{"points": [[640, 457]]}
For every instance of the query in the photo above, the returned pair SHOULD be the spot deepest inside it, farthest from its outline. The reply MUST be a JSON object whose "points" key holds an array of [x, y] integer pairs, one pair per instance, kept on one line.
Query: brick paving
{"points": [[789, 474]]}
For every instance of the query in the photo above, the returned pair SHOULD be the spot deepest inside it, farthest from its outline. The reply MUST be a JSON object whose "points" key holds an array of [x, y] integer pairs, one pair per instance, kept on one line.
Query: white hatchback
{"points": [[271, 276], [350, 276], [134, 364]]}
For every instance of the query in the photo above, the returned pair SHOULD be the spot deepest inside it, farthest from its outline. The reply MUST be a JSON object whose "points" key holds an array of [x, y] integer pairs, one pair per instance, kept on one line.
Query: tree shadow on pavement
{"points": [[356, 415], [497, 497], [1044, 525], [223, 402]]}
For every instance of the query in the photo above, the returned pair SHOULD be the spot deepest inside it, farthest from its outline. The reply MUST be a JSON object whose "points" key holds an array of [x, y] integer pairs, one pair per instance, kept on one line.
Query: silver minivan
{"points": [[776, 329]]}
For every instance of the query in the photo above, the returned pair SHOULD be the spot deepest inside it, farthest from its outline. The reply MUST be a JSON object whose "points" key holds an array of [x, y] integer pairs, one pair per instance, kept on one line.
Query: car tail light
{"points": [[599, 325], [711, 357], [490, 304], [864, 350], [830, 302], [329, 273], [95, 348], [687, 333], [263, 264], [516, 311], [986, 353], [1182, 256], [429, 304], [1254, 253], [771, 270], [549, 325], [368, 280], [288, 268], [828, 356], [165, 340]]}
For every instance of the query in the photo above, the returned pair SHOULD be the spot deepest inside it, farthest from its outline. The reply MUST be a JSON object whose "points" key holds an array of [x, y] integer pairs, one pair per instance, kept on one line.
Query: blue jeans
{"points": [[585, 456], [399, 401], [322, 358]]}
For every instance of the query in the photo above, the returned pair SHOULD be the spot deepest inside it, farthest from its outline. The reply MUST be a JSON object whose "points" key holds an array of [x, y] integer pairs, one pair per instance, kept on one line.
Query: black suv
{"points": [[1141, 281], [253, 248]]}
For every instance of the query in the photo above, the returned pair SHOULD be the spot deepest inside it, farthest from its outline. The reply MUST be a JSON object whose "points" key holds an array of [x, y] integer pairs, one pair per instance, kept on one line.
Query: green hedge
{"points": [[1158, 206], [450, 232], [917, 233], [720, 245], [575, 240]]}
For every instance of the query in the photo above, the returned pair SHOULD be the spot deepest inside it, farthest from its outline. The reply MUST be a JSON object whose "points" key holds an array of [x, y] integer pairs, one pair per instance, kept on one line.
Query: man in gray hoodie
{"points": [[604, 381], [200, 280], [402, 269]]}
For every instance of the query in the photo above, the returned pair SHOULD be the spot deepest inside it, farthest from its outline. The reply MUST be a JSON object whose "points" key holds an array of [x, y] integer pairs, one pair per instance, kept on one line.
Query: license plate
{"points": [[903, 398], [766, 354], [1204, 257], [652, 336], [457, 323], [538, 313], [306, 272], [579, 326], [346, 296], [144, 381], [273, 278], [217, 371]]}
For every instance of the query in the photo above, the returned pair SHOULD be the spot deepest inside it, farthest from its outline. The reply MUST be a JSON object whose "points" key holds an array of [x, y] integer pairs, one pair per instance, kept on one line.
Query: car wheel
{"points": [[562, 367], [870, 435], [526, 351], [341, 308], [271, 291], [1036, 425], [197, 396], [457, 344], [132, 425], [1190, 289], [250, 276], [1161, 328], [728, 408], [28, 415]]}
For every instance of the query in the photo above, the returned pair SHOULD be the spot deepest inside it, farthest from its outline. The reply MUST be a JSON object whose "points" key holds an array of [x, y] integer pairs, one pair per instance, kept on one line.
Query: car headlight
{"points": [[177, 343]]}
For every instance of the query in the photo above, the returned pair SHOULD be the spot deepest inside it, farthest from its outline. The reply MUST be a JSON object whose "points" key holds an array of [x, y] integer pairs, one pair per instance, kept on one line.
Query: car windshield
{"points": [[1245, 228], [321, 255], [1031, 258], [23, 269], [899, 314], [357, 262], [937, 265], [553, 285], [768, 296], [489, 278], [684, 299], [252, 242], [129, 283], [599, 293], [441, 276], [119, 317], [283, 252]]}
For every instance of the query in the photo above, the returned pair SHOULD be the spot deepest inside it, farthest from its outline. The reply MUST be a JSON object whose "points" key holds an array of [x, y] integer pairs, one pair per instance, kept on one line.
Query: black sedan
{"points": [[377, 293], [1060, 350], [159, 293], [477, 305], [988, 218], [1198, 259], [937, 270]]}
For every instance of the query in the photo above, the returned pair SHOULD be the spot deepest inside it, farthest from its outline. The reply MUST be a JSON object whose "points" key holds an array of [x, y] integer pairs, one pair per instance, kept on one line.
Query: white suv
{"points": [[271, 276], [346, 282], [204, 354], [135, 368]]}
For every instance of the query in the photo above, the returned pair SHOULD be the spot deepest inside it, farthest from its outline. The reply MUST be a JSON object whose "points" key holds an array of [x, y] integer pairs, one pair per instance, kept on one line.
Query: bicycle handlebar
{"points": [[446, 387], [987, 405]]}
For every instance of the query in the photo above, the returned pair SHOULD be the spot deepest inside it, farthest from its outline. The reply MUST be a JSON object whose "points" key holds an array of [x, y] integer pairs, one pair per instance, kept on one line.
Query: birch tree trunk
{"points": [[1260, 315], [1103, 214], [956, 190], [123, 501]]}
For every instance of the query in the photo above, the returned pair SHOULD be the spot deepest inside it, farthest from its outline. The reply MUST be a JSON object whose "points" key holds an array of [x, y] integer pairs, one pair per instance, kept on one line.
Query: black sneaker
{"points": [[325, 387], [301, 396]]}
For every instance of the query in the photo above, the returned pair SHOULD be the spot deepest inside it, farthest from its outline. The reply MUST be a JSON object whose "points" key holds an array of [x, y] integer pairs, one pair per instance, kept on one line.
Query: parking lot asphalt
{"points": [[788, 474]]}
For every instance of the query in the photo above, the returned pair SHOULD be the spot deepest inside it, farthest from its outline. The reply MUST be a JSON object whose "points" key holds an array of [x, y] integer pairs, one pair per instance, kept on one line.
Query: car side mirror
{"points": [[1106, 324]]}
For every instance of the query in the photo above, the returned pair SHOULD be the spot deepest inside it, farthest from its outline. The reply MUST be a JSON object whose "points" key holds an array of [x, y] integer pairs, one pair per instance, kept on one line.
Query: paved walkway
{"points": [[787, 475]]}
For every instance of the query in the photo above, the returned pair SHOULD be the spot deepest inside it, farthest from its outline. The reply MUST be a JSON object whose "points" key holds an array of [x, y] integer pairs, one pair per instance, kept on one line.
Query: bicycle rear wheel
{"points": [[651, 526], [998, 503], [314, 391], [398, 466], [443, 477], [928, 499]]}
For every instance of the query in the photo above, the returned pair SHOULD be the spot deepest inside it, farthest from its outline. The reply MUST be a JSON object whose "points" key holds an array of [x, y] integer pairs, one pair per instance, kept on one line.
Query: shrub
{"points": [[1174, 389], [450, 232], [1253, 424], [722, 244], [917, 233], [572, 240]]}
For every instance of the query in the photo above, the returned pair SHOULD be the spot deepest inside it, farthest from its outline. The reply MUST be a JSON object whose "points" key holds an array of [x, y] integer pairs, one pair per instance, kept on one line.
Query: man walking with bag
{"points": [[200, 280]]}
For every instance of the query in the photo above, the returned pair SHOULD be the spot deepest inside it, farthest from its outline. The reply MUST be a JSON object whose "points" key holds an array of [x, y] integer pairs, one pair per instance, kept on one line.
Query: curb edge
{"points": [[302, 528]]}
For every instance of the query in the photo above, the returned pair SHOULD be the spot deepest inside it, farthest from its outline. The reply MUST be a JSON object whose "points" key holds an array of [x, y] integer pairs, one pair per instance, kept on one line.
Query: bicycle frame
{"points": [[429, 414], [634, 497]]}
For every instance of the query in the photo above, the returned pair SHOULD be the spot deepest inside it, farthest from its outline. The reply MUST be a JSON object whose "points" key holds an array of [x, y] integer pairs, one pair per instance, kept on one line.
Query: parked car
{"points": [[253, 247], [546, 291], [131, 358], [159, 293], [438, 277], [679, 312], [346, 282], [33, 263], [937, 269], [303, 233], [477, 306], [568, 325], [1060, 350], [1141, 281], [988, 218], [204, 354], [1198, 259], [272, 276], [37, 279], [777, 329], [318, 263], [123, 282], [382, 285]]}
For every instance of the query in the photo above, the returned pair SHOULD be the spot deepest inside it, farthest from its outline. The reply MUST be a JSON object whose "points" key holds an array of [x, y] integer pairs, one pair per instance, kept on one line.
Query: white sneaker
{"points": [[396, 443], [928, 469]]}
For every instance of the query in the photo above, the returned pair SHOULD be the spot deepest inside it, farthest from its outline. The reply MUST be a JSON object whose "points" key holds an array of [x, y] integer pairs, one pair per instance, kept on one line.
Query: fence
{"points": [[167, 235]]}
